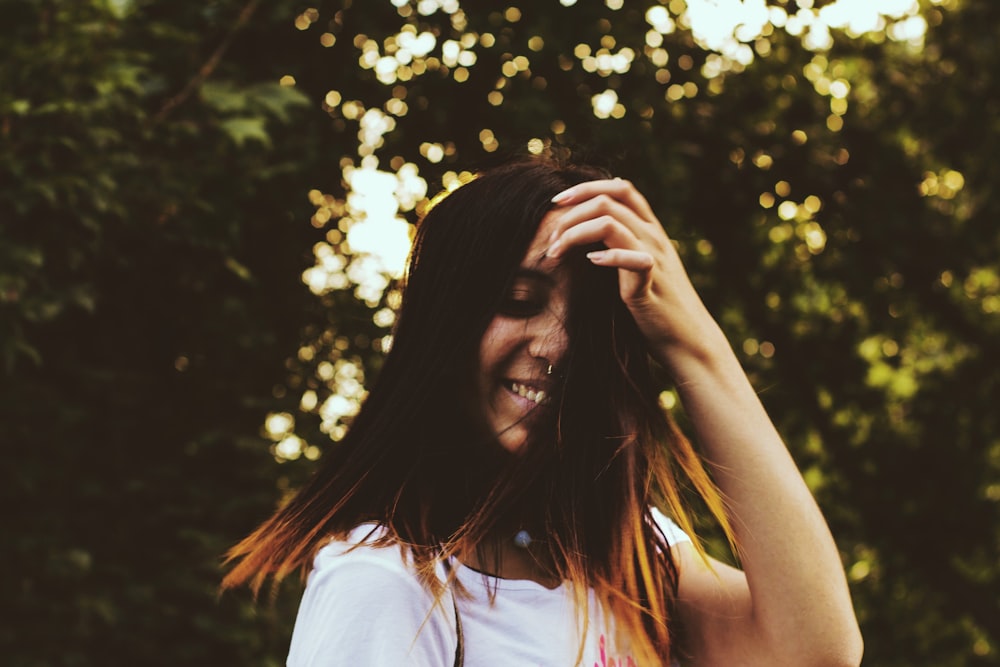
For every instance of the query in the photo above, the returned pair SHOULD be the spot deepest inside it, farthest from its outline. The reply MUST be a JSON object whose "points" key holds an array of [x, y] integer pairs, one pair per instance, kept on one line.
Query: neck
{"points": [[500, 557]]}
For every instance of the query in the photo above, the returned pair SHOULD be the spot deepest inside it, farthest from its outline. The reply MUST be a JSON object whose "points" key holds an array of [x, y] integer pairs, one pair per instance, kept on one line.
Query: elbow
{"points": [[841, 648], [853, 650], [842, 643], [846, 651]]}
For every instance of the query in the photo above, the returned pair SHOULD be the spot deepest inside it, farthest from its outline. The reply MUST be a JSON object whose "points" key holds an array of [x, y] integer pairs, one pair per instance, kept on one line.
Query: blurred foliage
{"points": [[178, 342]]}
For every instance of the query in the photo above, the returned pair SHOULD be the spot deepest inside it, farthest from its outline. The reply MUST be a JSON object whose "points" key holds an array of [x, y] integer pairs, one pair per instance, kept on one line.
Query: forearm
{"points": [[793, 600], [798, 594]]}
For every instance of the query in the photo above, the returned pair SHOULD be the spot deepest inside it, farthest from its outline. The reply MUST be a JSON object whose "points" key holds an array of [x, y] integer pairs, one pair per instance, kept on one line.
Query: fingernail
{"points": [[563, 196], [596, 255], [554, 249]]}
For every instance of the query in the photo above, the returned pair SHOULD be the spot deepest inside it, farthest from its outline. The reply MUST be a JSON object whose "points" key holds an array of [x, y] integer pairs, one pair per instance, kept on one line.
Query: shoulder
{"points": [[359, 555], [670, 529], [364, 603], [357, 575]]}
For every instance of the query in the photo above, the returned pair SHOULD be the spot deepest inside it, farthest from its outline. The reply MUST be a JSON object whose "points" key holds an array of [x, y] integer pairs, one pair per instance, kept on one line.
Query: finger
{"points": [[619, 258], [603, 229], [635, 270], [596, 207], [617, 188]]}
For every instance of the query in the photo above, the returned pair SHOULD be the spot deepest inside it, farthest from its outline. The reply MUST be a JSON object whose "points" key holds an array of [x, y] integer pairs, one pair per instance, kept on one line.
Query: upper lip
{"points": [[533, 384]]}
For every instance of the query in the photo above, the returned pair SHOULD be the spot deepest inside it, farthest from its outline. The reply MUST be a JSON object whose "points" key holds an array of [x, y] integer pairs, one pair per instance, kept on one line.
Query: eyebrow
{"points": [[534, 274]]}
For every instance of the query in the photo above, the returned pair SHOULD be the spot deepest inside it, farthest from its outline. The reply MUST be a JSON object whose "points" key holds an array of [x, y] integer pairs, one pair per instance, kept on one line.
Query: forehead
{"points": [[536, 257]]}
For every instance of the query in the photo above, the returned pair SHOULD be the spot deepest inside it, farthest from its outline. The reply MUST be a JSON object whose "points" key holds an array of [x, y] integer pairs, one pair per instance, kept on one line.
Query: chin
{"points": [[512, 440]]}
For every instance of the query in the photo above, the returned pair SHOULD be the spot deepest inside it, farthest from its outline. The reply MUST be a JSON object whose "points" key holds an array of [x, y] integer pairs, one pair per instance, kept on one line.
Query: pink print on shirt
{"points": [[627, 661]]}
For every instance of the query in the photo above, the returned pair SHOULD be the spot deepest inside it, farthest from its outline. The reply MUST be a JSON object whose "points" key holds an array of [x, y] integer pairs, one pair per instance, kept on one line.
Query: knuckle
{"points": [[606, 223]]}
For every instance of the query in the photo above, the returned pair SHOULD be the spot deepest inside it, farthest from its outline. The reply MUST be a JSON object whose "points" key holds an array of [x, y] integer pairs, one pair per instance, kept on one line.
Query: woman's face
{"points": [[525, 340]]}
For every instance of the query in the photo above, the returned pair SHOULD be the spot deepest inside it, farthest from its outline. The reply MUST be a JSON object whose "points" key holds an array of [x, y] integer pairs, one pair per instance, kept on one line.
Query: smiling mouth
{"points": [[538, 396]]}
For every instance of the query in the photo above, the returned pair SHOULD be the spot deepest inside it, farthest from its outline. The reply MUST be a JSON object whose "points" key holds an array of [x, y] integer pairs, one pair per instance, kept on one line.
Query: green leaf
{"points": [[20, 107], [241, 130], [239, 269], [20, 348], [84, 296], [120, 8], [278, 100], [224, 97]]}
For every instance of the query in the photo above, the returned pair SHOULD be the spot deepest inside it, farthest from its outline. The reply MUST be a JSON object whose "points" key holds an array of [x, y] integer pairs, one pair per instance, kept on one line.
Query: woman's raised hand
{"points": [[652, 281], [792, 605]]}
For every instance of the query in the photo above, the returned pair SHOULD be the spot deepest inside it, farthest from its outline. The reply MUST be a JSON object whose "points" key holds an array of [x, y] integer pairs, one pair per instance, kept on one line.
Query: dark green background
{"points": [[151, 302]]}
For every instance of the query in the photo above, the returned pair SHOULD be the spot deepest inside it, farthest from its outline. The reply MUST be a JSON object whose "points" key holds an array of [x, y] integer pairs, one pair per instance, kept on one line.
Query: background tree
{"points": [[203, 209]]}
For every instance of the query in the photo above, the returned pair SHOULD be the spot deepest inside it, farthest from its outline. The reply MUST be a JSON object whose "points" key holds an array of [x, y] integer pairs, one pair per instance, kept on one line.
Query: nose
{"points": [[547, 337]]}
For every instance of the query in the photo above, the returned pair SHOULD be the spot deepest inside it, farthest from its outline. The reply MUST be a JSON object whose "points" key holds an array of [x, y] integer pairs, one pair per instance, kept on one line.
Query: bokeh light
{"points": [[369, 235]]}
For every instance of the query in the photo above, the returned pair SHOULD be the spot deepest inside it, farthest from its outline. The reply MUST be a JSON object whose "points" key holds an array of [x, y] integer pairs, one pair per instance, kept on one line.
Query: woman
{"points": [[494, 502]]}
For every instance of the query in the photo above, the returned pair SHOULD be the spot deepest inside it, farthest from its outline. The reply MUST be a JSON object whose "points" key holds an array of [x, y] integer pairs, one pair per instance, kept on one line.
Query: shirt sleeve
{"points": [[671, 530], [368, 609]]}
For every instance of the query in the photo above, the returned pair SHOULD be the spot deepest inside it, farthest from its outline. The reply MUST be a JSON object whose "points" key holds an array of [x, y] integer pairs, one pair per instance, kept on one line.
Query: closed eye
{"points": [[522, 303], [528, 295]]}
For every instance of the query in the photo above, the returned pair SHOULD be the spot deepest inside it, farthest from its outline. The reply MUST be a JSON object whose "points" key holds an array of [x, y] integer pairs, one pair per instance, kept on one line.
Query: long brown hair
{"points": [[419, 460]]}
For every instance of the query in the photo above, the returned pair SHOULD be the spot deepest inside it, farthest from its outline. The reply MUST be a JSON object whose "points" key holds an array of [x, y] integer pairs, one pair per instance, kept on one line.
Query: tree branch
{"points": [[206, 70]]}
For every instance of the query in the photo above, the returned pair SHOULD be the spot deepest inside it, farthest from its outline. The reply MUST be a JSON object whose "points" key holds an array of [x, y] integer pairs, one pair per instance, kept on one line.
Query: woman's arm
{"points": [[790, 605]]}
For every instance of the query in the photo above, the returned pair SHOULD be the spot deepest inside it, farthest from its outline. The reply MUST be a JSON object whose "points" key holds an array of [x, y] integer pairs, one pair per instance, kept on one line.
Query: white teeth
{"points": [[537, 397]]}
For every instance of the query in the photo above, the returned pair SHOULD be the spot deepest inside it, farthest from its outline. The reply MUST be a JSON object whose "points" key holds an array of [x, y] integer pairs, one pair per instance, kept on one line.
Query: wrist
{"points": [[704, 353]]}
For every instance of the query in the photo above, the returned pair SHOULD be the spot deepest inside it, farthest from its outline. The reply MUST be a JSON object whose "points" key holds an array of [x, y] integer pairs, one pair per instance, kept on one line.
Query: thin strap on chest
{"points": [[460, 647]]}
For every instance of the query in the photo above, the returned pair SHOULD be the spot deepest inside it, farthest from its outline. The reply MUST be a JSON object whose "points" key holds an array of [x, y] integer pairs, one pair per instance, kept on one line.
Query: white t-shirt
{"points": [[366, 606]]}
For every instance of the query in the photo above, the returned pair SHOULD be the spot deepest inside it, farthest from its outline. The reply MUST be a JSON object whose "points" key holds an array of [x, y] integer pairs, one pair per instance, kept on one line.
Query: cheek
{"points": [[486, 346], [496, 345]]}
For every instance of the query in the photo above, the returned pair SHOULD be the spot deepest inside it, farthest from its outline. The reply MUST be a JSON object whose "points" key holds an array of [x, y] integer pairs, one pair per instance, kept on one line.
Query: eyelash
{"points": [[521, 303]]}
